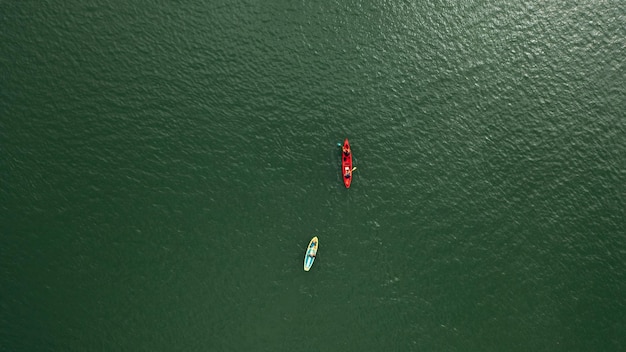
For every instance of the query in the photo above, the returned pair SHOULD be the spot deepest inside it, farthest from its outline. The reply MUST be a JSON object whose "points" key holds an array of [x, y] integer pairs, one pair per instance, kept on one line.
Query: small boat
{"points": [[311, 251], [346, 163]]}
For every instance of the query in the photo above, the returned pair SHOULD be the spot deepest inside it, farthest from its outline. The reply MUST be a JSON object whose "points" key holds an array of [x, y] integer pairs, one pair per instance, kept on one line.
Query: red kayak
{"points": [[346, 163]]}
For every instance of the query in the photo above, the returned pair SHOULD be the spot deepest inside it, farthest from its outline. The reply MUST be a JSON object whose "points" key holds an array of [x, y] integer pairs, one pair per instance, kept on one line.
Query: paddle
{"points": [[353, 169]]}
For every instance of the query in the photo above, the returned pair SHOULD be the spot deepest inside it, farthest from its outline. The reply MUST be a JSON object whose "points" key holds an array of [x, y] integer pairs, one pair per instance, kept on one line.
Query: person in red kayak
{"points": [[346, 151], [348, 174]]}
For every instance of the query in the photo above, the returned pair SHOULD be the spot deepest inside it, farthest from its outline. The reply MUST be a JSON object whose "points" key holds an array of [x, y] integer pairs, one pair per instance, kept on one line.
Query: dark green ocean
{"points": [[164, 164]]}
